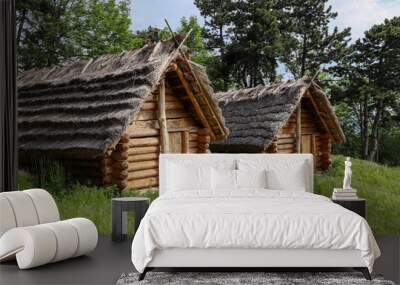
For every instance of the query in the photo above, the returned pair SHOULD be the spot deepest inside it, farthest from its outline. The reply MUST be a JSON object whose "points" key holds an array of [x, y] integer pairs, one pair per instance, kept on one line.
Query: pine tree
{"points": [[257, 43], [309, 44], [370, 83], [217, 14]]}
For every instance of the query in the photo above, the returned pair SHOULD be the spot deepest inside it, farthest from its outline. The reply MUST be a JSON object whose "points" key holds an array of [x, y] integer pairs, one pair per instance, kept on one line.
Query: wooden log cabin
{"points": [[107, 119], [290, 117]]}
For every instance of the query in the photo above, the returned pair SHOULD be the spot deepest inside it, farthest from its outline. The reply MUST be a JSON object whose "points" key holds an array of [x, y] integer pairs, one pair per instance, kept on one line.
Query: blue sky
{"points": [[360, 15]]}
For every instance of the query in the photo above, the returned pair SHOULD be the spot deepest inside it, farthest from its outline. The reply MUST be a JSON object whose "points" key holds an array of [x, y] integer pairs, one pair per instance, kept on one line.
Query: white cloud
{"points": [[360, 15]]}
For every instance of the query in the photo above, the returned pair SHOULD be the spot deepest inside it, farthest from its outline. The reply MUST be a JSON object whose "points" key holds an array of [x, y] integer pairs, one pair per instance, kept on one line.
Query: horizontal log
{"points": [[143, 157], [120, 175], [182, 123], [204, 139], [280, 135], [143, 149], [150, 141], [171, 105], [288, 131], [140, 165], [143, 183], [286, 140], [308, 130], [107, 170], [121, 147], [193, 149], [122, 184], [286, 146], [107, 161], [169, 96], [120, 165], [203, 132], [143, 132], [193, 144], [193, 137], [119, 155], [286, 151], [107, 180], [124, 138], [171, 114], [146, 173], [203, 146]]}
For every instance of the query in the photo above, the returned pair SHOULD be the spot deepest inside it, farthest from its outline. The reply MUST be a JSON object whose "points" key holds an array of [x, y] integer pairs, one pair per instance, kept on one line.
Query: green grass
{"points": [[379, 184], [78, 200]]}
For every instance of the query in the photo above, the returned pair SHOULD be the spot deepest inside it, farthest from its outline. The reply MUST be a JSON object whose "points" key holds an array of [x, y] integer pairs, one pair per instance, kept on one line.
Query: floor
{"points": [[110, 260]]}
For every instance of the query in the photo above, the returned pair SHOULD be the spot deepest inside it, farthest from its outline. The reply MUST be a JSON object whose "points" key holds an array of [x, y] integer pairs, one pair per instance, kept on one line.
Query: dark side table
{"points": [[120, 208], [358, 205]]}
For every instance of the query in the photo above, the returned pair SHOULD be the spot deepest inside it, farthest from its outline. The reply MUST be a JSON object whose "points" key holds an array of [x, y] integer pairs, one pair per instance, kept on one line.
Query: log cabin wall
{"points": [[314, 139], [142, 149]]}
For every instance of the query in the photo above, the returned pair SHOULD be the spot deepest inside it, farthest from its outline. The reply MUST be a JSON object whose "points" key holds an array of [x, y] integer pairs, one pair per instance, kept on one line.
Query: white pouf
{"points": [[31, 232]]}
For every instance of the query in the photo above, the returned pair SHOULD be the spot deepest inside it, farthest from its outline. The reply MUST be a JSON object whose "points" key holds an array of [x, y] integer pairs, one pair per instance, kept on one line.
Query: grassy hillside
{"points": [[380, 185]]}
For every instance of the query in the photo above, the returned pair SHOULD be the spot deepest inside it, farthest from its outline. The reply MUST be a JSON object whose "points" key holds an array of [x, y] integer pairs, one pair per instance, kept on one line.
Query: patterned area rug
{"points": [[243, 278]]}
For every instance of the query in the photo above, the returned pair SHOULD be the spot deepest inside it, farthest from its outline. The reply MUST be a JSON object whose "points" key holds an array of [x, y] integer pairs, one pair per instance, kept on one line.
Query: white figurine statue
{"points": [[347, 174]]}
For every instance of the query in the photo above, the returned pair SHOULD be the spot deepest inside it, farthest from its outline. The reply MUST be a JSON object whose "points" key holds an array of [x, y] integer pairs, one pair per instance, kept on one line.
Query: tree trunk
{"points": [[225, 75], [303, 56], [364, 127], [20, 27], [376, 130]]}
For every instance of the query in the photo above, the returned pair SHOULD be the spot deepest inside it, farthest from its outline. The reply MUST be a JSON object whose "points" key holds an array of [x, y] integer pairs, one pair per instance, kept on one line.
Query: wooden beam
{"points": [[309, 96], [298, 128], [185, 142], [162, 118], [195, 104], [210, 105]]}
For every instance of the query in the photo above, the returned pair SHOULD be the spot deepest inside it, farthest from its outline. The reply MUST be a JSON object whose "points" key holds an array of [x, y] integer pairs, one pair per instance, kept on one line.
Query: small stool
{"points": [[120, 207]]}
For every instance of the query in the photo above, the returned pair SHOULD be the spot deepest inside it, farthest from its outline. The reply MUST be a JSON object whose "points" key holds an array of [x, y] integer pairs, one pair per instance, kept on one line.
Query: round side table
{"points": [[120, 208]]}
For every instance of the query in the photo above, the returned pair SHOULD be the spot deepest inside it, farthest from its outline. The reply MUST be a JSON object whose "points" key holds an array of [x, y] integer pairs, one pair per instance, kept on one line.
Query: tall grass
{"points": [[46, 174], [378, 184], [76, 200]]}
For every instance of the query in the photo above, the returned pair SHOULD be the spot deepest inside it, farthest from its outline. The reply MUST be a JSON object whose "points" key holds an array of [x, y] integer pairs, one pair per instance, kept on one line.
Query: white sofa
{"points": [[31, 231]]}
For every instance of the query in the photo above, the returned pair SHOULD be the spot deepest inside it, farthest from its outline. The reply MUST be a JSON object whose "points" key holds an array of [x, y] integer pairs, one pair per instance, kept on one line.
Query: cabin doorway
{"points": [[178, 142], [307, 144]]}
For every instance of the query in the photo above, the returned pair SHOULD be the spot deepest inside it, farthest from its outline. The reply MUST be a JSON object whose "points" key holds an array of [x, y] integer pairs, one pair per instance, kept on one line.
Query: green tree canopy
{"points": [[54, 31], [247, 38], [308, 41], [370, 84]]}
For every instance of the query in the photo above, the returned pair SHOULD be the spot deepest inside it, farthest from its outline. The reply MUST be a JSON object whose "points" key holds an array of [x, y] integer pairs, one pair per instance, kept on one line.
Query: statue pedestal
{"points": [[344, 194]]}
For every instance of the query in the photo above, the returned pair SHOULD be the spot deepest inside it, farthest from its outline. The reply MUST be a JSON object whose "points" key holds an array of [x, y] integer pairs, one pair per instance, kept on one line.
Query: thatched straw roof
{"points": [[88, 104], [255, 115]]}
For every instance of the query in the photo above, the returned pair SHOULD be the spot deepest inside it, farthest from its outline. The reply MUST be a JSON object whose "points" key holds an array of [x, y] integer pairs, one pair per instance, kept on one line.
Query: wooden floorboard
{"points": [[110, 260]]}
